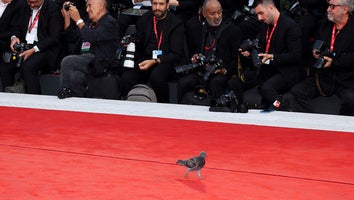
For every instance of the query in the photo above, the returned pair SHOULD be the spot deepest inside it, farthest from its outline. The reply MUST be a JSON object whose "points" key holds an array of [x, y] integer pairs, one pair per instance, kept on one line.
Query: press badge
{"points": [[156, 53], [85, 47]]}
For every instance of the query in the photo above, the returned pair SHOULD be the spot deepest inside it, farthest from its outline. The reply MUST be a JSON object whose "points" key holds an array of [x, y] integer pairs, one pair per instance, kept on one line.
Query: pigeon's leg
{"points": [[186, 172], [198, 172]]}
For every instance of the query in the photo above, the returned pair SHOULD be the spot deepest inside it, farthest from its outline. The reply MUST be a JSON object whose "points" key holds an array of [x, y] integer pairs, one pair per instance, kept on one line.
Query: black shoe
{"points": [[64, 93]]}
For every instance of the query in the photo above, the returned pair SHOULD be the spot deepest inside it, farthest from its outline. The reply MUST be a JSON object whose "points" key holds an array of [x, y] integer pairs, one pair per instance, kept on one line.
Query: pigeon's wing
{"points": [[191, 163]]}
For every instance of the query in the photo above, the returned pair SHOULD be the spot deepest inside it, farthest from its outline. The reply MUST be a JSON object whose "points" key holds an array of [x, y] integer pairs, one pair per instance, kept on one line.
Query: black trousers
{"points": [[216, 84], [273, 87], [302, 93], [29, 69], [157, 76]]}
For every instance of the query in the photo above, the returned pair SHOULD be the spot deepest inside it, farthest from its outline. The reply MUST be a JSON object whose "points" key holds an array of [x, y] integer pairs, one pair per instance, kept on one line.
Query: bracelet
{"points": [[79, 22]]}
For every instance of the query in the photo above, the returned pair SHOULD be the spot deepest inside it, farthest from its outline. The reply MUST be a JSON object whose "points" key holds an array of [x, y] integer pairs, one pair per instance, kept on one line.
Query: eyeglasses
{"points": [[333, 6]]}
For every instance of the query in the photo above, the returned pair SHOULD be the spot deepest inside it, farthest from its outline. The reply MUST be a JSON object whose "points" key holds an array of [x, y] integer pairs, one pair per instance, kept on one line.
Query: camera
{"points": [[64, 93], [243, 14], [125, 53], [252, 46], [210, 69], [20, 48], [199, 65], [207, 65], [227, 103], [67, 6], [321, 48]]}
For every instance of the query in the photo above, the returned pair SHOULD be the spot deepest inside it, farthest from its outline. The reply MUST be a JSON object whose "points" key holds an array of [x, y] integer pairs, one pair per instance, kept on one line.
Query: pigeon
{"points": [[194, 164]]}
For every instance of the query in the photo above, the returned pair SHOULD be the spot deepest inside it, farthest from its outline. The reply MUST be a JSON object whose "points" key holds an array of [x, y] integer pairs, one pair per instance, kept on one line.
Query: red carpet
{"points": [[74, 155]]}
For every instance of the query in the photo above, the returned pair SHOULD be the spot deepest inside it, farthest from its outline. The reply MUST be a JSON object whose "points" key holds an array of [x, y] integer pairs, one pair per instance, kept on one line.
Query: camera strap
{"points": [[319, 87]]}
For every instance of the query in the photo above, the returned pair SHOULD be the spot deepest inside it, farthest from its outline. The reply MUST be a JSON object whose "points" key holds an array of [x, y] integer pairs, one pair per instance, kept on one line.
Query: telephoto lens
{"points": [[129, 56]]}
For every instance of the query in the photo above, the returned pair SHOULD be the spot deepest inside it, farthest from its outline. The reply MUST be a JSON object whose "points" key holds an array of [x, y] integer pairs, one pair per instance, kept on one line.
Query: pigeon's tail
{"points": [[181, 162]]}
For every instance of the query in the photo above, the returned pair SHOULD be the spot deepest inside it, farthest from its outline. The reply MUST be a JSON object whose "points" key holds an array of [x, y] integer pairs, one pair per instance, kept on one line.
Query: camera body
{"points": [[206, 67], [199, 65], [243, 14], [20, 48], [253, 47], [321, 48], [67, 6], [213, 65], [228, 103]]}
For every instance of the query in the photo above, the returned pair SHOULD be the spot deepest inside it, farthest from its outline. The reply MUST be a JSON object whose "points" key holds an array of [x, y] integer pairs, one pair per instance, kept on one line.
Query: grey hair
{"points": [[349, 3]]}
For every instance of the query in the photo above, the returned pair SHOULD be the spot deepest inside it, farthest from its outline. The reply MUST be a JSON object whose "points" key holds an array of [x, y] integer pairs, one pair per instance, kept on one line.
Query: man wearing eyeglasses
{"points": [[335, 75]]}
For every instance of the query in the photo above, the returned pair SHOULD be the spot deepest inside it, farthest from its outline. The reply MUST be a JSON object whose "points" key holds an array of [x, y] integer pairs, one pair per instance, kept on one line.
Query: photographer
{"points": [[280, 47], [336, 75], [159, 46], [8, 18], [99, 39], [211, 37], [38, 30]]}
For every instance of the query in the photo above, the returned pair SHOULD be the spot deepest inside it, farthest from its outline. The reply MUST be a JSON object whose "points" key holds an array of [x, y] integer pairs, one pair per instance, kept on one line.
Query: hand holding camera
{"points": [[69, 10]]}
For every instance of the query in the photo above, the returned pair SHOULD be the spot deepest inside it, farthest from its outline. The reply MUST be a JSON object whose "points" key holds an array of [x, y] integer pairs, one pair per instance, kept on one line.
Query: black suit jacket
{"points": [[285, 45], [50, 27], [104, 38], [7, 22]]}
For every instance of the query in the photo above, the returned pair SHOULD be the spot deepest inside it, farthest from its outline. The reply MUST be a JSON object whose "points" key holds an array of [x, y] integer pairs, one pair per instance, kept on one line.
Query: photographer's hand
{"points": [[66, 15], [266, 57], [315, 53], [14, 40], [244, 53], [329, 61], [26, 54], [194, 58], [146, 64], [75, 16]]}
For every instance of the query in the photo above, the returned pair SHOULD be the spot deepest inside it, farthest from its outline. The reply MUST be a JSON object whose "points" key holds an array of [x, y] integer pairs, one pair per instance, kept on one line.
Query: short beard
{"points": [[163, 14], [210, 22]]}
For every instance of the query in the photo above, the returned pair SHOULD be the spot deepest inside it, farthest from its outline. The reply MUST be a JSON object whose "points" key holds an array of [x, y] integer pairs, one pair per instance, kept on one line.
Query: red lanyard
{"points": [[32, 23], [207, 48], [269, 37], [159, 40], [334, 36]]}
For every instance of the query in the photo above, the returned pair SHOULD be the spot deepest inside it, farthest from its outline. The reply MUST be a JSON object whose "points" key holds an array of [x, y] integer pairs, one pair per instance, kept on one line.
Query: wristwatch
{"points": [[79, 22]]}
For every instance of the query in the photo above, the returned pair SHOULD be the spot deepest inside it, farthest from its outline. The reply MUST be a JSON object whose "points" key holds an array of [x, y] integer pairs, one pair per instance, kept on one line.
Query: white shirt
{"points": [[3, 7], [32, 37]]}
